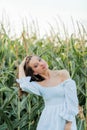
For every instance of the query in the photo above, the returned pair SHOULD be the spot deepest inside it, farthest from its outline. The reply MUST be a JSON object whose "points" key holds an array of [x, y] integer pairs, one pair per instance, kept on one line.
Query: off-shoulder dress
{"points": [[61, 103]]}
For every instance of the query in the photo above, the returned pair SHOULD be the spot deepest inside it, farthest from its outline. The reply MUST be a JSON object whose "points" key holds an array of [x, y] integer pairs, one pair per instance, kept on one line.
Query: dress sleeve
{"points": [[70, 108], [28, 86]]}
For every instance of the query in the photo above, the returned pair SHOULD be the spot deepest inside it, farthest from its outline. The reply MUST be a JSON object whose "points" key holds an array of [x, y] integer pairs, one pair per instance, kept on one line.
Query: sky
{"points": [[44, 12]]}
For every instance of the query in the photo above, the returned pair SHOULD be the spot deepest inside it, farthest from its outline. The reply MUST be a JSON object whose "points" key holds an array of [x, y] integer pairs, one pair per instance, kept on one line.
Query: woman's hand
{"points": [[23, 62], [21, 68], [68, 126]]}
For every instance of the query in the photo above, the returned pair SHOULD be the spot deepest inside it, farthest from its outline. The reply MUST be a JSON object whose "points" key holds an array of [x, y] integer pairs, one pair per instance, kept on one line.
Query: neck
{"points": [[46, 74]]}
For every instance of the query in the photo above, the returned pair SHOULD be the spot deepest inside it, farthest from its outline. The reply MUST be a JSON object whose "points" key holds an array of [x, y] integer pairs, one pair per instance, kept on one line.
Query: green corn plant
{"points": [[68, 53]]}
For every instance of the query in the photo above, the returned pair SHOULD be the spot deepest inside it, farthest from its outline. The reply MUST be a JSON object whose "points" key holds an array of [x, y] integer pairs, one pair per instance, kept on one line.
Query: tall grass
{"points": [[70, 52]]}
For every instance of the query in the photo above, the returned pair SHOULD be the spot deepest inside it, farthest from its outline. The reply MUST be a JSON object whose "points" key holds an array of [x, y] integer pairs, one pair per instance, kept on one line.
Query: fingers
{"points": [[23, 62], [26, 59]]}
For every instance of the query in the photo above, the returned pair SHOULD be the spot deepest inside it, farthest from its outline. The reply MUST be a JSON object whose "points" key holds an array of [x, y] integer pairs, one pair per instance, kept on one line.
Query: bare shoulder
{"points": [[64, 74]]}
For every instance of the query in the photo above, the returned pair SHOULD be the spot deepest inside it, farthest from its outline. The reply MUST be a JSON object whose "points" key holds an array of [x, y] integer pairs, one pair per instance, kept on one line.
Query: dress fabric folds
{"points": [[61, 103]]}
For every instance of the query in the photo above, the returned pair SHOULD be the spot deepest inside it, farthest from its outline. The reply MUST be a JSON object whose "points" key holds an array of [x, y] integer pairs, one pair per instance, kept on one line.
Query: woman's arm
{"points": [[24, 81], [21, 69]]}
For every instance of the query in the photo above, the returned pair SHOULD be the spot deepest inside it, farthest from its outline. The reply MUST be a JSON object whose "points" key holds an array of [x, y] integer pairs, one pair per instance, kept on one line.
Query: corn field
{"points": [[22, 112]]}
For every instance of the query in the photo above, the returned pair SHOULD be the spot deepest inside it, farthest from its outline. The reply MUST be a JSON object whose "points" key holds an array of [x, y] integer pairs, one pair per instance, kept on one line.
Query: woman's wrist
{"points": [[21, 66], [68, 125], [21, 71]]}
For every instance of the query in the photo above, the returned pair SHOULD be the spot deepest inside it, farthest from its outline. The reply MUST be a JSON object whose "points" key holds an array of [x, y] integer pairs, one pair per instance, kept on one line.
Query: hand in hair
{"points": [[21, 68], [23, 62]]}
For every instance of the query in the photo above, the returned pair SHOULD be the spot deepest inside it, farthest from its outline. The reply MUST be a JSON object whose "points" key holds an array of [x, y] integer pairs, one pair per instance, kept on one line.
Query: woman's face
{"points": [[38, 65]]}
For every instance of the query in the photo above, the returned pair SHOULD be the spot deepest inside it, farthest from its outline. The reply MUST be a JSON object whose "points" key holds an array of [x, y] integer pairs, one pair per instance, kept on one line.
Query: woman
{"points": [[57, 89]]}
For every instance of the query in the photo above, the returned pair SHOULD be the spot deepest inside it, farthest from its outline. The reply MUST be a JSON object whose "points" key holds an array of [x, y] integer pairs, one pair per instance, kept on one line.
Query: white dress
{"points": [[61, 103]]}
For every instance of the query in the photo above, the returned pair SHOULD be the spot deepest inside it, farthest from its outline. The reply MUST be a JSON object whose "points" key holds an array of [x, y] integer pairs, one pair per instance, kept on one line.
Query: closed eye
{"points": [[40, 59], [35, 66]]}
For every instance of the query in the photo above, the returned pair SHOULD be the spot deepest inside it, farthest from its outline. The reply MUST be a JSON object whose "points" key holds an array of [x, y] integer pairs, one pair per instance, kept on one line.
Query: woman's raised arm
{"points": [[21, 69]]}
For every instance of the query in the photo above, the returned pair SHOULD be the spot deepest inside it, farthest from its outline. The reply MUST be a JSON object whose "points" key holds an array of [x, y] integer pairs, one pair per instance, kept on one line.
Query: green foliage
{"points": [[69, 53]]}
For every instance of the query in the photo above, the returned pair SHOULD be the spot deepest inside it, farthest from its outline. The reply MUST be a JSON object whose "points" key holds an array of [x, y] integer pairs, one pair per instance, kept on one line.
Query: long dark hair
{"points": [[29, 71]]}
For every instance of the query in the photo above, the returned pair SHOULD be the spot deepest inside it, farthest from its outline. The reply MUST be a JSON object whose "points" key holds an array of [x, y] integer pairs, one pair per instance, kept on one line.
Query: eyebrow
{"points": [[38, 57]]}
